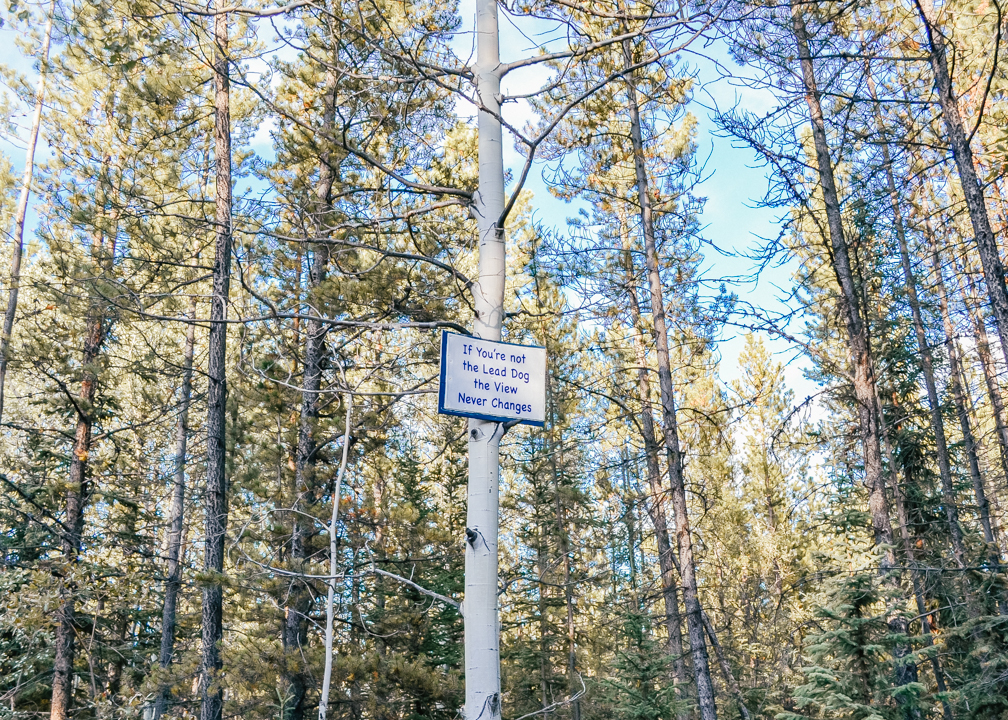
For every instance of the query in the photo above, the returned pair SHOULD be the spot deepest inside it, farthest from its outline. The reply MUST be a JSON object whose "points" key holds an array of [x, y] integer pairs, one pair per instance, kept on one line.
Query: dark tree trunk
{"points": [[295, 629], [215, 495], [691, 599], [927, 366], [959, 143], [173, 580], [857, 335], [77, 494], [656, 506]]}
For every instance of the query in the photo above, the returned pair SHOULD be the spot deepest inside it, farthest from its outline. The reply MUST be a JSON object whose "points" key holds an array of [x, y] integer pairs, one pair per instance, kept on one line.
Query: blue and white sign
{"points": [[492, 380]]}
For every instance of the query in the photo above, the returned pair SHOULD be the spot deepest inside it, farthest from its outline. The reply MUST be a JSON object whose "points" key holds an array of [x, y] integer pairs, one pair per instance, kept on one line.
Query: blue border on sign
{"points": [[442, 371], [457, 413]]}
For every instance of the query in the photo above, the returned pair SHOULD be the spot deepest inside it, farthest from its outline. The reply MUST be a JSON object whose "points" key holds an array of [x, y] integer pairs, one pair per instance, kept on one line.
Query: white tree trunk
{"points": [[22, 207], [482, 651], [333, 562]]}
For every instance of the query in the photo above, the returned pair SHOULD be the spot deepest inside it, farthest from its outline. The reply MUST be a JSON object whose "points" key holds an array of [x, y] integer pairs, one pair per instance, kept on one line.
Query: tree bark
{"points": [[295, 631], [656, 506], [22, 208], [987, 364], [77, 494], [857, 336], [482, 637], [901, 517], [993, 268], [215, 495], [962, 409], [691, 600], [927, 366], [173, 580]]}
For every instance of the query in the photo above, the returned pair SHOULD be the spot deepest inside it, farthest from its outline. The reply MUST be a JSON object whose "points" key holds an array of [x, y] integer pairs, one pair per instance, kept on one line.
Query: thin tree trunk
{"points": [[962, 409], [691, 599], [78, 491], [114, 682], [865, 390], [987, 364], [77, 494], [722, 659], [630, 522], [334, 560], [572, 672], [927, 365], [990, 259], [295, 631], [215, 495], [656, 506], [542, 565], [726, 670], [556, 468], [544, 666], [565, 550], [857, 338], [556, 463], [173, 581], [901, 517], [22, 208]]}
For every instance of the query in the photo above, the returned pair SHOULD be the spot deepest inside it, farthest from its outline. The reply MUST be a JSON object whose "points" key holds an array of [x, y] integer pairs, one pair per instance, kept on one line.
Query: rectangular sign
{"points": [[492, 380]]}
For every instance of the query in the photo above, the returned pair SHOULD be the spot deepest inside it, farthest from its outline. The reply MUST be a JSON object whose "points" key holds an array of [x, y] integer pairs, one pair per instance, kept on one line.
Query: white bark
{"points": [[482, 651], [331, 594]]}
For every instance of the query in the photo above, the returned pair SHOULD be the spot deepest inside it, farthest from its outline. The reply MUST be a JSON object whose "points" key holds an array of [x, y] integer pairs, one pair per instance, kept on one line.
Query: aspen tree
{"points": [[482, 639]]}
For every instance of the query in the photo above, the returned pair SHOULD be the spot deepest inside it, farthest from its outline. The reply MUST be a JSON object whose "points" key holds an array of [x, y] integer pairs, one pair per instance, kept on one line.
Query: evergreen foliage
{"points": [[831, 585]]}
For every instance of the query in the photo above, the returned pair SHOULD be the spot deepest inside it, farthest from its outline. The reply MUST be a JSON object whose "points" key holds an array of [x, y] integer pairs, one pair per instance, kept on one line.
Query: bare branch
{"points": [[419, 588]]}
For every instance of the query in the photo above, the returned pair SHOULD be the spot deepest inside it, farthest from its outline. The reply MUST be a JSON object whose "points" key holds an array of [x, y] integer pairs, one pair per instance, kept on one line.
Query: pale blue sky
{"points": [[731, 220]]}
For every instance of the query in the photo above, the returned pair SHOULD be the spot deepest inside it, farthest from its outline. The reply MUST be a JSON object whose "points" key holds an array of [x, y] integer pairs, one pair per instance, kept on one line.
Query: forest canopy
{"points": [[236, 231]]}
